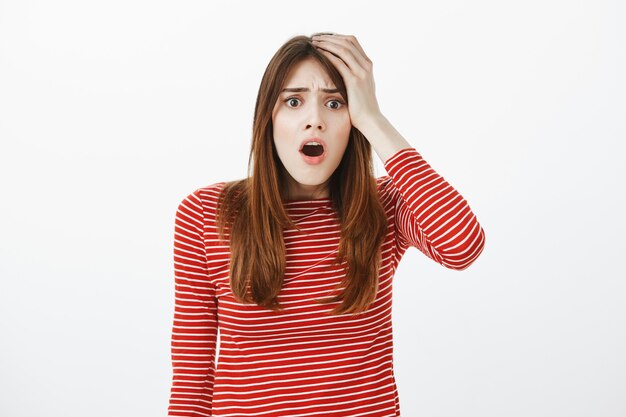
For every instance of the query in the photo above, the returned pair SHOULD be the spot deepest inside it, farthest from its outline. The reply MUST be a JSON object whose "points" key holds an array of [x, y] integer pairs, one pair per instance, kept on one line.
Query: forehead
{"points": [[308, 73]]}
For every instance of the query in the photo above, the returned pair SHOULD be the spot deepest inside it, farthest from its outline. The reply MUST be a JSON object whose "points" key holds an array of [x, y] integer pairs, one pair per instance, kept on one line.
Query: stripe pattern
{"points": [[234, 360]]}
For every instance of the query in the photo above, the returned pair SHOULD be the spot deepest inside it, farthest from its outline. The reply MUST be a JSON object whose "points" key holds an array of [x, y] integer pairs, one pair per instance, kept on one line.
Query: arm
{"points": [[194, 331], [430, 214]]}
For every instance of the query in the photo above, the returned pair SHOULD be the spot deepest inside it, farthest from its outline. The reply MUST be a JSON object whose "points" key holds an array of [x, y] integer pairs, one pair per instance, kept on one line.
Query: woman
{"points": [[294, 264]]}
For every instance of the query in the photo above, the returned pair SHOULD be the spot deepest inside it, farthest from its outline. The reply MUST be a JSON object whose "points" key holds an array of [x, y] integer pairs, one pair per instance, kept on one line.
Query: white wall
{"points": [[112, 112]]}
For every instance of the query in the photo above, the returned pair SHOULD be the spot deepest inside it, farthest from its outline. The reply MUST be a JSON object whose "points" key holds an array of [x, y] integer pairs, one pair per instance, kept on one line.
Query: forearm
{"points": [[385, 139]]}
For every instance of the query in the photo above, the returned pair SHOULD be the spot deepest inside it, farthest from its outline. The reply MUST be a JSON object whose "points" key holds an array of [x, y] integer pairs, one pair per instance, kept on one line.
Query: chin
{"points": [[309, 182]]}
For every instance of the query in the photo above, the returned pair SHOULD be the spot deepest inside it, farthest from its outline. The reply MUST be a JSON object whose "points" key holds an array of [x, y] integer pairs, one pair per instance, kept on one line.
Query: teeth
{"points": [[312, 148]]}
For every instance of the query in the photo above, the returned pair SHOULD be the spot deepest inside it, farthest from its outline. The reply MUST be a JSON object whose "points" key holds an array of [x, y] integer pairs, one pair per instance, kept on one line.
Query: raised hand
{"points": [[345, 52]]}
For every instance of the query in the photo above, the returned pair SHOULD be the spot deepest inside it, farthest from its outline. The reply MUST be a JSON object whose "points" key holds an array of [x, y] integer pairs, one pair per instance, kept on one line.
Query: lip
{"points": [[322, 141], [313, 160]]}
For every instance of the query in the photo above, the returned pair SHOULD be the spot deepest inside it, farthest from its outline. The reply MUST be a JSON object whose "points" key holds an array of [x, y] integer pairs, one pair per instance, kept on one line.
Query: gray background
{"points": [[112, 112]]}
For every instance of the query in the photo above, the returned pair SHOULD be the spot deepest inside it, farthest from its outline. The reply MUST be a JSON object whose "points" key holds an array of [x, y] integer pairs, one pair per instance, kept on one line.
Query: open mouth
{"points": [[312, 149]]}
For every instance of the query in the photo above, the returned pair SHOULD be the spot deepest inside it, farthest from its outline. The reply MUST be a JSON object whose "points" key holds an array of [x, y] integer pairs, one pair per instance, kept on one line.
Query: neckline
{"points": [[316, 201]]}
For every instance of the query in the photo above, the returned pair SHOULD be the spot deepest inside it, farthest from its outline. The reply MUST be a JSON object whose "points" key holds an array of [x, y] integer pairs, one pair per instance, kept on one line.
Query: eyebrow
{"points": [[301, 89]]}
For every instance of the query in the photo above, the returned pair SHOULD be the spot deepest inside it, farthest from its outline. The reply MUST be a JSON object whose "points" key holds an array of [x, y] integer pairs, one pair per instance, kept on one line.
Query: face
{"points": [[308, 114]]}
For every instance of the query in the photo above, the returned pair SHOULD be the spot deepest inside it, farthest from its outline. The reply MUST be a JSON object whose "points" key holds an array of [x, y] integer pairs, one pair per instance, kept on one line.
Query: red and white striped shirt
{"points": [[302, 361]]}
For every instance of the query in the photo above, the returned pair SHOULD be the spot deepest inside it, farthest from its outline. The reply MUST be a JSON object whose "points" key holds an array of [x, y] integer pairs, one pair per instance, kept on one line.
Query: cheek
{"points": [[345, 130], [282, 124], [342, 135], [278, 128]]}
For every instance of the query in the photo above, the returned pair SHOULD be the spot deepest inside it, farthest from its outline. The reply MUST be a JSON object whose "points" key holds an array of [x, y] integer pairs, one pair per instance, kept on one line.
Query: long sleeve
{"points": [[194, 331], [430, 214]]}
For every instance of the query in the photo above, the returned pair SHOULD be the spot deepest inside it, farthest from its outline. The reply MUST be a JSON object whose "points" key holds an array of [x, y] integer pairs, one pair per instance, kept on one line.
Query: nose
{"points": [[315, 120]]}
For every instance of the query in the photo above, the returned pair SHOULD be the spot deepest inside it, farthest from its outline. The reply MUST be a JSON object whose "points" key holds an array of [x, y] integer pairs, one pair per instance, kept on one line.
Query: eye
{"points": [[341, 103], [290, 99], [337, 106]]}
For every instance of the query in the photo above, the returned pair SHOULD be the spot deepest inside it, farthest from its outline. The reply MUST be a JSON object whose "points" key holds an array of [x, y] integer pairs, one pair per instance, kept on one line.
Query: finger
{"points": [[341, 66], [343, 47], [352, 39], [356, 43], [361, 56], [344, 50]]}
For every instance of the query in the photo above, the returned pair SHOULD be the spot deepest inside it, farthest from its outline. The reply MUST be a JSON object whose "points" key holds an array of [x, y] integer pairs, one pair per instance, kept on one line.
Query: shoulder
{"points": [[209, 194], [203, 199], [211, 197]]}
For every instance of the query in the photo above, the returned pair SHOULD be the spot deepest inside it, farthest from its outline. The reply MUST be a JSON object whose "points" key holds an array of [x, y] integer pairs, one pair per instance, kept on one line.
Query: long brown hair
{"points": [[252, 210]]}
